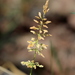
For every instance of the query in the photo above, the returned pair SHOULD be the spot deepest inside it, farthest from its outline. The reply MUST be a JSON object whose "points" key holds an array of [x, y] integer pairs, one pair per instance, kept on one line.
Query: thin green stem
{"points": [[34, 55], [52, 73], [32, 66], [31, 71]]}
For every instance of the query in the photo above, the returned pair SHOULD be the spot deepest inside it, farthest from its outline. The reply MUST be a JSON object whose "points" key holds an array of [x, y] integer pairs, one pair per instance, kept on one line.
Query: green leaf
{"points": [[73, 13], [55, 55]]}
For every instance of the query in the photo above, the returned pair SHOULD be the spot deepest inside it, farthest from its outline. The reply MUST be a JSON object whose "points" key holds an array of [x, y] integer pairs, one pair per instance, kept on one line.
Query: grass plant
{"points": [[41, 31]]}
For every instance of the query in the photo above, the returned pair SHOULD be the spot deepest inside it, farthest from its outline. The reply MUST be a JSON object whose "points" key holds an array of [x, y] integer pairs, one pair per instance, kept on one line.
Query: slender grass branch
{"points": [[41, 31]]}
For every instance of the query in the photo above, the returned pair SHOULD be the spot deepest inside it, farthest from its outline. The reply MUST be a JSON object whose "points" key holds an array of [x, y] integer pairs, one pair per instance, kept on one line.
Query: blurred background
{"points": [[16, 17]]}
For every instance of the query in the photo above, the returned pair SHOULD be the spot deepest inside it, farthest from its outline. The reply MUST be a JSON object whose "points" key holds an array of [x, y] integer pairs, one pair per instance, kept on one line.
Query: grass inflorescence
{"points": [[41, 31]]}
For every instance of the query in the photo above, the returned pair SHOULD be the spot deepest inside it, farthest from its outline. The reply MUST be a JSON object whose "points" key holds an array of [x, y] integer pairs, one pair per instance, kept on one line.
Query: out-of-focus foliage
{"points": [[12, 13]]}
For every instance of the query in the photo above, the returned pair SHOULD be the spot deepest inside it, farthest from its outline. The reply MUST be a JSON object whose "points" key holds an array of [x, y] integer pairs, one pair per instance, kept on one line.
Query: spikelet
{"points": [[45, 7]]}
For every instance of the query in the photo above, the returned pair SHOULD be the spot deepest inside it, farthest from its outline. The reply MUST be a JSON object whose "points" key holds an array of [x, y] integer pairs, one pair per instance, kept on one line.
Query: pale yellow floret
{"points": [[47, 22], [45, 26], [45, 31], [33, 27], [33, 32], [39, 13], [36, 21]]}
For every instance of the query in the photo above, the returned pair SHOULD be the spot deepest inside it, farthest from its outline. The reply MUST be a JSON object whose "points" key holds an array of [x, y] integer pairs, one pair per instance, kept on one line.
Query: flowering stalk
{"points": [[41, 31]]}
